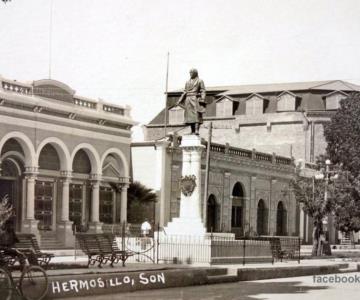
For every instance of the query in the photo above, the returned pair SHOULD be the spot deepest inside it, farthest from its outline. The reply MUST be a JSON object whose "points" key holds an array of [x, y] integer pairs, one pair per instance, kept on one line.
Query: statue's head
{"points": [[193, 73]]}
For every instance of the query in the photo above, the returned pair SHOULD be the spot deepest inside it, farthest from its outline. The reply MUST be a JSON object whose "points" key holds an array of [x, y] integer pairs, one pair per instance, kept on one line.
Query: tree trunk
{"points": [[352, 238], [316, 249]]}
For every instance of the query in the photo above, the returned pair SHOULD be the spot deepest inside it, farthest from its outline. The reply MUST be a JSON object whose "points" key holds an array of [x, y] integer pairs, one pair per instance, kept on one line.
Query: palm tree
{"points": [[141, 203]]}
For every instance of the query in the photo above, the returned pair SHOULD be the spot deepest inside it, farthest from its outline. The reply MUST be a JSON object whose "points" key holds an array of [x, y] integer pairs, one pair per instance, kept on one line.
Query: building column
{"points": [[64, 231], [163, 180], [95, 225], [30, 225], [272, 211], [302, 222], [123, 206], [114, 205], [252, 206]]}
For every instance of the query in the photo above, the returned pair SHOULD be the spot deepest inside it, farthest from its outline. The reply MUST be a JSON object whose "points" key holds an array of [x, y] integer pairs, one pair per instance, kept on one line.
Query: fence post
{"points": [[244, 249], [75, 243], [157, 243], [123, 236]]}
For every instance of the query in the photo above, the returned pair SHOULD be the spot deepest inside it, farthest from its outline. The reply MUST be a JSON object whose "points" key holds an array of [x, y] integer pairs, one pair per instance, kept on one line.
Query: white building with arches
{"points": [[64, 159]]}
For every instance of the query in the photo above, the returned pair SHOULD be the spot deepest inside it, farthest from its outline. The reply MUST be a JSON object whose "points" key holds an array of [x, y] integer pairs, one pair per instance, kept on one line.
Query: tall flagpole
{"points": [[50, 36], [206, 189], [166, 92]]}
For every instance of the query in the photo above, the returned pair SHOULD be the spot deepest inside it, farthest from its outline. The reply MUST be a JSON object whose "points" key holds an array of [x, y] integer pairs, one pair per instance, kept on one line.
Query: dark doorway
{"points": [[261, 218], [237, 210], [211, 214], [281, 217]]}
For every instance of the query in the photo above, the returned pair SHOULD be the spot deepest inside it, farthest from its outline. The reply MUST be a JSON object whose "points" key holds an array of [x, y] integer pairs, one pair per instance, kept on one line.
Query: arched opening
{"points": [[79, 193], [49, 162], [211, 214], [81, 163], [112, 170], [237, 210], [262, 218], [11, 170], [281, 219]]}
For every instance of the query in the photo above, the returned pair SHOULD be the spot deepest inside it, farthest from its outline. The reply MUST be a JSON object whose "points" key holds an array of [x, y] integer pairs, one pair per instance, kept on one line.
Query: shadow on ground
{"points": [[238, 291]]}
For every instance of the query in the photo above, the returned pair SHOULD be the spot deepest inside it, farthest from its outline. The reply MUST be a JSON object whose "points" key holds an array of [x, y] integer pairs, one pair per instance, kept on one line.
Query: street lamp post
{"points": [[326, 177]]}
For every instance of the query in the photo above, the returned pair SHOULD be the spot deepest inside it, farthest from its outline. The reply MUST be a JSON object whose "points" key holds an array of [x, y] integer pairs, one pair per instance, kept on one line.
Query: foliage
{"points": [[342, 135], [347, 204], [5, 1], [311, 193], [141, 202], [6, 210]]}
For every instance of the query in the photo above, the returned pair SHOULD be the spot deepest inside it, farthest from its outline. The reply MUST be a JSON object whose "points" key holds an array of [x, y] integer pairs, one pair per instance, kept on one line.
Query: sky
{"points": [[116, 50]]}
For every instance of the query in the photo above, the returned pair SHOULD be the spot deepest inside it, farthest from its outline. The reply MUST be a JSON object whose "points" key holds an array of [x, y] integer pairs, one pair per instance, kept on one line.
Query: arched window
{"points": [[262, 216], [281, 218], [237, 209], [211, 214]]}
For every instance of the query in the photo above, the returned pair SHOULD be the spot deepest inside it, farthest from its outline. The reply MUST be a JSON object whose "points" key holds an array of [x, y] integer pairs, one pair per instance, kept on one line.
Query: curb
{"points": [[115, 282]]}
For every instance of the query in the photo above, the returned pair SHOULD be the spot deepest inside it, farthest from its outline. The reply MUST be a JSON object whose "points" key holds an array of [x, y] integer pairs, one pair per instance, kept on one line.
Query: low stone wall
{"points": [[112, 283], [246, 274]]}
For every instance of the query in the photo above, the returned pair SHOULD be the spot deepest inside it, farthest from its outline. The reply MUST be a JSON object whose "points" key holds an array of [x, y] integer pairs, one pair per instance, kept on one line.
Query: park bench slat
{"points": [[28, 244], [101, 248]]}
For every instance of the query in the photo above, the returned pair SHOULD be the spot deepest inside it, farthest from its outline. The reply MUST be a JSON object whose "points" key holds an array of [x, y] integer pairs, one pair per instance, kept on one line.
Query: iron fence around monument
{"points": [[155, 246], [218, 249]]}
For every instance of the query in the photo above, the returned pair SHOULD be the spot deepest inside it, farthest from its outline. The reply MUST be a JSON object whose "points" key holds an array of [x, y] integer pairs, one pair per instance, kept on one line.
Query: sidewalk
{"points": [[81, 280]]}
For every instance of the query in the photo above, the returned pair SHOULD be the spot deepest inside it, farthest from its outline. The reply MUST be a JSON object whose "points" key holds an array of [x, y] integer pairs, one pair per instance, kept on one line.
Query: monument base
{"points": [[185, 226]]}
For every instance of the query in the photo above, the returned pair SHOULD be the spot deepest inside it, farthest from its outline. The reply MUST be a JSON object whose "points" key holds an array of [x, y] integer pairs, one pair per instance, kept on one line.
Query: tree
{"points": [[141, 203], [5, 1], [342, 135], [6, 210], [311, 193]]}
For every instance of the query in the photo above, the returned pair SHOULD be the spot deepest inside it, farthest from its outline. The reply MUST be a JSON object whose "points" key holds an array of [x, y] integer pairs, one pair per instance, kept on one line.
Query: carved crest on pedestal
{"points": [[187, 184]]}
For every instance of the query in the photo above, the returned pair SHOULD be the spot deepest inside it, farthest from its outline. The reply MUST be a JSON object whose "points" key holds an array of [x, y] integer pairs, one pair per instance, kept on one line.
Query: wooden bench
{"points": [[29, 245], [284, 248], [101, 248]]}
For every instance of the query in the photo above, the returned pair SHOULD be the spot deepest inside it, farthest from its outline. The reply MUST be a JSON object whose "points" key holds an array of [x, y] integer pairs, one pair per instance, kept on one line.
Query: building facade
{"points": [[287, 119], [249, 192], [64, 158]]}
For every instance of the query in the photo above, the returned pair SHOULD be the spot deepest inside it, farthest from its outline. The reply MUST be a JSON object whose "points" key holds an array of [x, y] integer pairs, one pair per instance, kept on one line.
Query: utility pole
{"points": [[166, 93], [206, 189]]}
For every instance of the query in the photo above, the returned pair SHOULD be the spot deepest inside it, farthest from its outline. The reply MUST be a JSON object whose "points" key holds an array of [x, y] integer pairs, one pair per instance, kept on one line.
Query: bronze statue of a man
{"points": [[193, 101]]}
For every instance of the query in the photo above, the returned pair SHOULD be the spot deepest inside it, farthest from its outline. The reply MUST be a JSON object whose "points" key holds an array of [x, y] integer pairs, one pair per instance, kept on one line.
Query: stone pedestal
{"points": [[190, 222]]}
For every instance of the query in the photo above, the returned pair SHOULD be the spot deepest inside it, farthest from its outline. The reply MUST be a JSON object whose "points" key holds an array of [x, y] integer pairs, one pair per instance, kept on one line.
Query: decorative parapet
{"points": [[16, 87], [251, 154], [85, 103], [263, 157], [119, 110]]}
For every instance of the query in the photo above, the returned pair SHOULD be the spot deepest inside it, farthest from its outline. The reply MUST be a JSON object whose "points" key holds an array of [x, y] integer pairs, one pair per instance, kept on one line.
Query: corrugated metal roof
{"points": [[280, 87], [293, 86]]}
